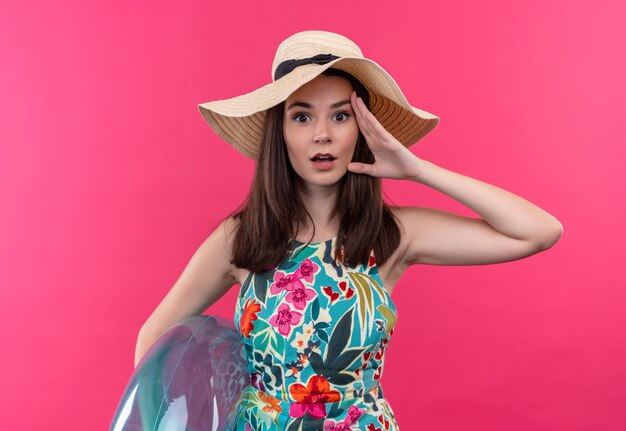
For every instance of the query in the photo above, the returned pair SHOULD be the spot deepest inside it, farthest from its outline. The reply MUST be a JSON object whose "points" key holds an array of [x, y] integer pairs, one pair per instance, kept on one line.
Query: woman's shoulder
{"points": [[410, 220], [406, 212], [396, 210], [226, 231], [229, 226], [216, 251], [400, 213]]}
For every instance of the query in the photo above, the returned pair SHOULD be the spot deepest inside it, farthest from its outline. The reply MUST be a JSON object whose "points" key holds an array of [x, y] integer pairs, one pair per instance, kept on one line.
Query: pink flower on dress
{"points": [[284, 281], [353, 414], [306, 270], [331, 425], [299, 295], [312, 398], [285, 318]]}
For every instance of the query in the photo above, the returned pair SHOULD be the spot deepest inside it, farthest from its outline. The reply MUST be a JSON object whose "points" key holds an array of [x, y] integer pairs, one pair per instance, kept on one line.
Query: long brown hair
{"points": [[265, 231]]}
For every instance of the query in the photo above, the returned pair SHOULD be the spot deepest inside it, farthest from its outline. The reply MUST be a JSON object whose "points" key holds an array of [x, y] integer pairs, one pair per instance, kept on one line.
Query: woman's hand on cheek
{"points": [[392, 159]]}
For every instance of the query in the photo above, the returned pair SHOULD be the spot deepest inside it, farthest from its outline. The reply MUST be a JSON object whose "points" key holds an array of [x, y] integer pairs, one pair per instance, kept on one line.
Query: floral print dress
{"points": [[315, 335]]}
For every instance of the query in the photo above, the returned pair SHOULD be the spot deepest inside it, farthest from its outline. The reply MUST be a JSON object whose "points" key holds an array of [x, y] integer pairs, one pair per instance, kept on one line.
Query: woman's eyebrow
{"points": [[309, 106]]}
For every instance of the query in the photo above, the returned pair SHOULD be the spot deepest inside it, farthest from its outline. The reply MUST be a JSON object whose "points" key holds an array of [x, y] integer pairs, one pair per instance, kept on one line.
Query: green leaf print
{"points": [[246, 285], [339, 338], [310, 423], [322, 335], [295, 425], [315, 309], [322, 325], [365, 286], [333, 371], [267, 340], [263, 335], [346, 359], [278, 345], [261, 282], [317, 363], [303, 252], [340, 379], [390, 317]]}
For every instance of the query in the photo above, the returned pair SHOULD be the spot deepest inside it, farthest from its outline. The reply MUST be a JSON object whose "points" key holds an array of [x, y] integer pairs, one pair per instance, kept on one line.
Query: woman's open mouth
{"points": [[323, 161]]}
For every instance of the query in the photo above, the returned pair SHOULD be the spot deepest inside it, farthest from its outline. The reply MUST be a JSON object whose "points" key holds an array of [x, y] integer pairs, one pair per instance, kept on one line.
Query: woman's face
{"points": [[318, 119]]}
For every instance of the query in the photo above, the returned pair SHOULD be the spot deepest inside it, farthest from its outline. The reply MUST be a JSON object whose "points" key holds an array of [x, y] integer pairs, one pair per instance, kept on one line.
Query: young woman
{"points": [[315, 250]]}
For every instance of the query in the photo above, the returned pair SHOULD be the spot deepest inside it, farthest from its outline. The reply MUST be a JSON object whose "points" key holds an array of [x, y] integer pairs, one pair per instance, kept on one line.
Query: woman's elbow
{"points": [[145, 338], [553, 237]]}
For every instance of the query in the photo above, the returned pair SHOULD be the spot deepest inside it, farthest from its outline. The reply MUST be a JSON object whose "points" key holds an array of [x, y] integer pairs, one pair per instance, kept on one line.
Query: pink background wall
{"points": [[110, 179]]}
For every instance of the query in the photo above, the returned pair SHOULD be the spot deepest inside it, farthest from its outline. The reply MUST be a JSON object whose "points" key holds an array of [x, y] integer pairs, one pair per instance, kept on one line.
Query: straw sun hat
{"points": [[299, 59]]}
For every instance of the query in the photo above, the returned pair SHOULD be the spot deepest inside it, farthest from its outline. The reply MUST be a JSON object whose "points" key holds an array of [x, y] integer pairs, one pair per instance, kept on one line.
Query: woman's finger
{"points": [[370, 119], [373, 131], [361, 120]]}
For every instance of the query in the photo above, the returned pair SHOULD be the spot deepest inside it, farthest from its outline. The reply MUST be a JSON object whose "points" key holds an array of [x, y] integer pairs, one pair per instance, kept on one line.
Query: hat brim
{"points": [[239, 120]]}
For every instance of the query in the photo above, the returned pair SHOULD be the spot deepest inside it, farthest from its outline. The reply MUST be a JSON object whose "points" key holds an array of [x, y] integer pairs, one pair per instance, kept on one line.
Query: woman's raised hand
{"points": [[392, 159]]}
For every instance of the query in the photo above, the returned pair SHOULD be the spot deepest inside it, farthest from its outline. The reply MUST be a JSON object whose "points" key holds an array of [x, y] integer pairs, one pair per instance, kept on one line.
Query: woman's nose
{"points": [[321, 132]]}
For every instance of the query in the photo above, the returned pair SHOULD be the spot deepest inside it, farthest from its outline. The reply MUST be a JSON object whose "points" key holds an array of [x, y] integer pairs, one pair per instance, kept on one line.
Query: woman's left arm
{"points": [[510, 227]]}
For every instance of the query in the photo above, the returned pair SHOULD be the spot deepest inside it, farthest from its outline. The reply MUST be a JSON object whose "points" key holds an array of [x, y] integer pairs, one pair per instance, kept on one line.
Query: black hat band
{"points": [[288, 65]]}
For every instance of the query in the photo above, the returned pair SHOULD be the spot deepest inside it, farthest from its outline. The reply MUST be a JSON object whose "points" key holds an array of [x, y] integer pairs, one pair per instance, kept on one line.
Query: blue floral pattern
{"points": [[315, 335]]}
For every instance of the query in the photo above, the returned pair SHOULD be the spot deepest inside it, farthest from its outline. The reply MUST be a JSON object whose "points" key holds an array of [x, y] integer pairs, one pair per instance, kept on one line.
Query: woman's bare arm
{"points": [[511, 227], [207, 277]]}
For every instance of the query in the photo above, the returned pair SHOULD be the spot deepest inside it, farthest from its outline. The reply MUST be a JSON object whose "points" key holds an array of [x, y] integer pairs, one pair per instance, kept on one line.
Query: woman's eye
{"points": [[343, 116], [298, 117]]}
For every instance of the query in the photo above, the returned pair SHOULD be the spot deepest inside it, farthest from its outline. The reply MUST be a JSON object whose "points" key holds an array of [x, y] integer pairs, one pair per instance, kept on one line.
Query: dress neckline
{"points": [[328, 241]]}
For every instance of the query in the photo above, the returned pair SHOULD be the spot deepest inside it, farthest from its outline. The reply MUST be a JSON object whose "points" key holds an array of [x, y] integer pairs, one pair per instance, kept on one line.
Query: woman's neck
{"points": [[319, 201]]}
